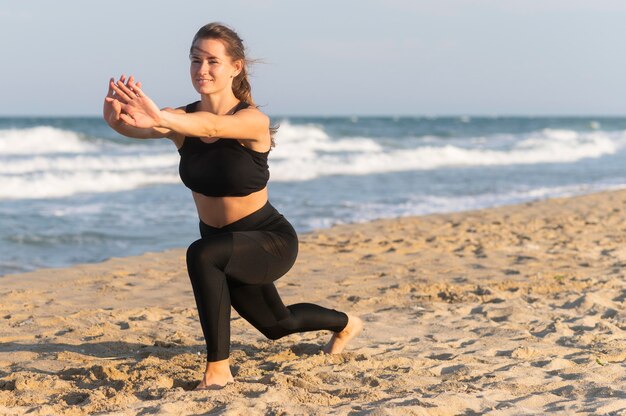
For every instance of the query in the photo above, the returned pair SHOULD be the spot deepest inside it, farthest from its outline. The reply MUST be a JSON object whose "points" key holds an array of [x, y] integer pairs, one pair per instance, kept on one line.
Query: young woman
{"points": [[224, 141]]}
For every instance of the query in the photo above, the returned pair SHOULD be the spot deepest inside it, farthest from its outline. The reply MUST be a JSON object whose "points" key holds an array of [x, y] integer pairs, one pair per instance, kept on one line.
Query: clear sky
{"points": [[326, 57]]}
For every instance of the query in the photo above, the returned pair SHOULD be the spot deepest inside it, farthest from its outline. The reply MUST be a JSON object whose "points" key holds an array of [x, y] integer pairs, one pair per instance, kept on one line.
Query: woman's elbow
{"points": [[210, 132], [208, 126]]}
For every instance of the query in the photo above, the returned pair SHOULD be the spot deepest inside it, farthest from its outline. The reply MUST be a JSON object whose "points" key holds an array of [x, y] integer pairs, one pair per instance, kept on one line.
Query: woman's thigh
{"points": [[260, 257]]}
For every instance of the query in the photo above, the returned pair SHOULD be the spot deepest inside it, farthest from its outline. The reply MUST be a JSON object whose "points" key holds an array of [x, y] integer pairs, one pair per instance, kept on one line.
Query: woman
{"points": [[224, 140]]}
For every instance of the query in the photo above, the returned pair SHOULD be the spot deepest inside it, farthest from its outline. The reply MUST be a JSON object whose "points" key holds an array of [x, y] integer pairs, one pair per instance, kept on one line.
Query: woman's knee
{"points": [[193, 251], [274, 332], [282, 328]]}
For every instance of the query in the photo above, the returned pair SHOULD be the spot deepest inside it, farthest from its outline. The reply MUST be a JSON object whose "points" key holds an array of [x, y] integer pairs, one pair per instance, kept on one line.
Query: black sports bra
{"points": [[222, 168]]}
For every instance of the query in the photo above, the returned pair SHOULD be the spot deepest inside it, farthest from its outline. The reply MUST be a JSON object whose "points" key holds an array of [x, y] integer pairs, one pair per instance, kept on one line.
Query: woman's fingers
{"points": [[110, 92], [120, 94], [127, 119], [124, 88], [131, 84], [114, 102], [129, 104], [117, 109], [135, 87], [112, 108], [130, 88], [137, 90]]}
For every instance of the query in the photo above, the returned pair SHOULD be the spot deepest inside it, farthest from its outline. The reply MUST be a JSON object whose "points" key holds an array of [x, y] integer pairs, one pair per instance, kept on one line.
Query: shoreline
{"points": [[616, 188], [516, 308]]}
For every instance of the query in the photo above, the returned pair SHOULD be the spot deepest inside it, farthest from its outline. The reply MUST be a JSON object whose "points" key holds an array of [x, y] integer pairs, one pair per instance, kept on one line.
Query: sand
{"points": [[513, 310]]}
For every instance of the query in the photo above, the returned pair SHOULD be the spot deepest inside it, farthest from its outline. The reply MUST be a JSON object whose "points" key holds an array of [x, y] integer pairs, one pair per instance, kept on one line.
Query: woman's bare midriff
{"points": [[220, 211]]}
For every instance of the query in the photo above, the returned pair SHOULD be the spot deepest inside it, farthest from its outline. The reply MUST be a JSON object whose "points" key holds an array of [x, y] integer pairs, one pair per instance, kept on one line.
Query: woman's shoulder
{"points": [[251, 112]]}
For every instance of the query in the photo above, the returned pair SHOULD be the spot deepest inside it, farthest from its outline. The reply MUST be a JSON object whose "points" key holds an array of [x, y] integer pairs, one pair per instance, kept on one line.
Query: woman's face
{"points": [[212, 70]]}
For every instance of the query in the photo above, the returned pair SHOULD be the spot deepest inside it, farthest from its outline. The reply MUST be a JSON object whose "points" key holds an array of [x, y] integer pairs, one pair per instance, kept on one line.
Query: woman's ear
{"points": [[238, 67]]}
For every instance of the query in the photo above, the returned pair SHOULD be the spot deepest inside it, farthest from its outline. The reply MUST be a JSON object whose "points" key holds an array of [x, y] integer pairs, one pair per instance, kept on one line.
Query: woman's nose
{"points": [[201, 67]]}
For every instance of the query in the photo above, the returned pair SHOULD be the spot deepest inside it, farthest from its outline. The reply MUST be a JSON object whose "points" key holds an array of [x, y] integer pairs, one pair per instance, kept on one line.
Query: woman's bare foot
{"points": [[339, 340], [216, 376]]}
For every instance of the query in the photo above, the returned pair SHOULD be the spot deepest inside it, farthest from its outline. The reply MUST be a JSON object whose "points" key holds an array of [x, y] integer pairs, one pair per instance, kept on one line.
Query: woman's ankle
{"points": [[218, 367]]}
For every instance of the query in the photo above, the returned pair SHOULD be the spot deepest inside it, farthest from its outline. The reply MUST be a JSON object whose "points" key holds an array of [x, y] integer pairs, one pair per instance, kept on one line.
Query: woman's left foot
{"points": [[339, 340]]}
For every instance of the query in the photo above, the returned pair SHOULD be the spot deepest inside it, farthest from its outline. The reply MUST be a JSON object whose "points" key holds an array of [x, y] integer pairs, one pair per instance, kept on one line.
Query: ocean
{"points": [[74, 191]]}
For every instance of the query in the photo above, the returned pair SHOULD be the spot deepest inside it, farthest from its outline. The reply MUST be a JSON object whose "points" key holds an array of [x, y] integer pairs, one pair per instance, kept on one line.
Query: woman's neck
{"points": [[219, 105]]}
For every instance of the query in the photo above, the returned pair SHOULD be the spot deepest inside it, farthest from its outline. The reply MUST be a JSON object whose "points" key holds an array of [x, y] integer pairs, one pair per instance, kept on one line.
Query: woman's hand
{"points": [[130, 105], [116, 104]]}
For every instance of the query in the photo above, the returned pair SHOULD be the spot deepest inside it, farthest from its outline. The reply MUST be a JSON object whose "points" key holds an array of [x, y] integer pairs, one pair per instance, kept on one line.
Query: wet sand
{"points": [[512, 310]]}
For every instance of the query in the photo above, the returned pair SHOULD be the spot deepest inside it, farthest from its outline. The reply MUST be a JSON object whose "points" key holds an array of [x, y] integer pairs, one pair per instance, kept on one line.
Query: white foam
{"points": [[53, 210], [45, 162], [90, 163], [306, 152], [309, 140], [63, 184], [42, 140]]}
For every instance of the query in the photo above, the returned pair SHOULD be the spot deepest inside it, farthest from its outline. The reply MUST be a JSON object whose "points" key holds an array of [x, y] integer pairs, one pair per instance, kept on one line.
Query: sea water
{"points": [[73, 191]]}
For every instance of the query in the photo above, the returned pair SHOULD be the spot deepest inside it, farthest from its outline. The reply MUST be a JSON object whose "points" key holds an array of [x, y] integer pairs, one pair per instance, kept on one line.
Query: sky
{"points": [[326, 57]]}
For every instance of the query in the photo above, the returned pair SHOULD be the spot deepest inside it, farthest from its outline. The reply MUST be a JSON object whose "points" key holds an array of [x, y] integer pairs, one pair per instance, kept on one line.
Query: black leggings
{"points": [[236, 265]]}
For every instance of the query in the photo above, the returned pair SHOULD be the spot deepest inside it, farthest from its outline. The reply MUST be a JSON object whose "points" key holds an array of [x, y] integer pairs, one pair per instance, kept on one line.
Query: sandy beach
{"points": [[512, 310]]}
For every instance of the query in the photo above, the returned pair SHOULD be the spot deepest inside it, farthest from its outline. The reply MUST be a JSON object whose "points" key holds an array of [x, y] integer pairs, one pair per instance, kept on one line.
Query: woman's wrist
{"points": [[164, 121]]}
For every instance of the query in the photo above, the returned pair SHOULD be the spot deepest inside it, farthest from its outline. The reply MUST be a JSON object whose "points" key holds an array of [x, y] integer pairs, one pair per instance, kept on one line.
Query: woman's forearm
{"points": [[203, 124], [137, 133]]}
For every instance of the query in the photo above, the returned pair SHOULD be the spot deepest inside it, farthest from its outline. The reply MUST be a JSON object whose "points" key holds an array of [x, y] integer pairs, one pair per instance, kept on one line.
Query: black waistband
{"points": [[253, 221]]}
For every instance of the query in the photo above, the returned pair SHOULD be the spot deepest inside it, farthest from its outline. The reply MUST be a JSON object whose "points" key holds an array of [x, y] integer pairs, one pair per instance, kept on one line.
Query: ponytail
{"points": [[241, 86]]}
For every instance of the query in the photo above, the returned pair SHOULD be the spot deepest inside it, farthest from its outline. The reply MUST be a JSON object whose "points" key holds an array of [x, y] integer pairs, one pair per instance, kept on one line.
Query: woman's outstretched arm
{"points": [[245, 124], [138, 110]]}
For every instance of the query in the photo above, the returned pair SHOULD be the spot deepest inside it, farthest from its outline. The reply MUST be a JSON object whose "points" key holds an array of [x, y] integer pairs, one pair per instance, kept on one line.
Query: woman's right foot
{"points": [[339, 340], [213, 383], [216, 376]]}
